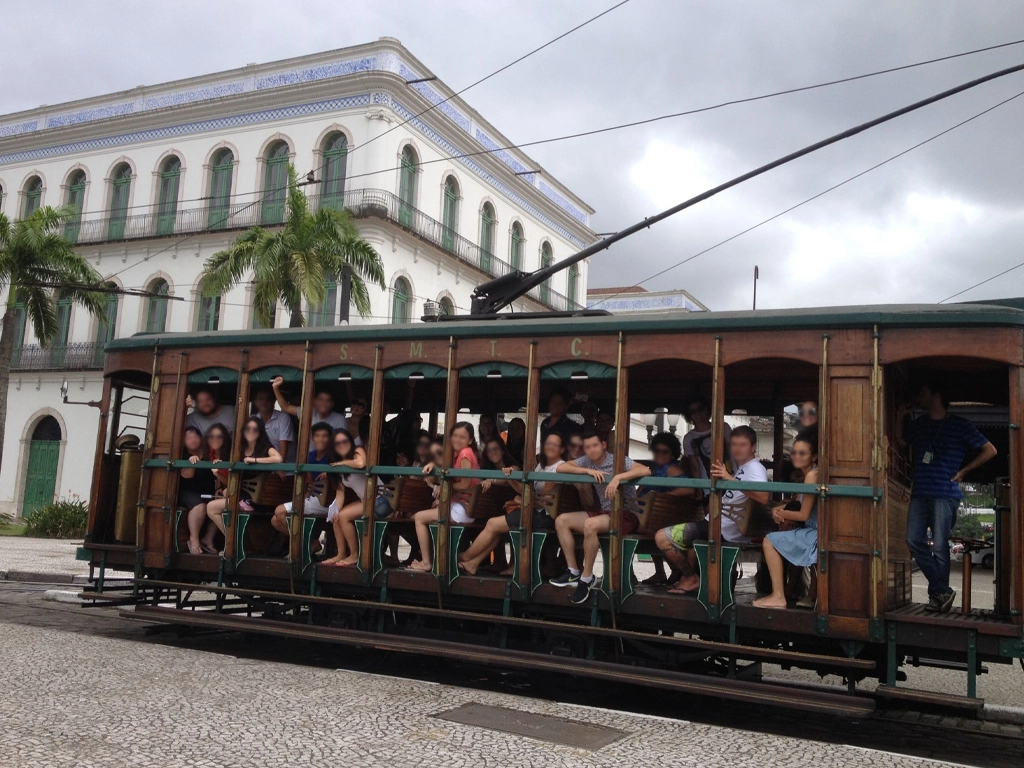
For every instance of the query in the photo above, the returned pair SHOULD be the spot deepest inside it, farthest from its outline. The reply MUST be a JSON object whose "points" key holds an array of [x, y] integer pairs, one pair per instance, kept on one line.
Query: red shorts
{"points": [[630, 522]]}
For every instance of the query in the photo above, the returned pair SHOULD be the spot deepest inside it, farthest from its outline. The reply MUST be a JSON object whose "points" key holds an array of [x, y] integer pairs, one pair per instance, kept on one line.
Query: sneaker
{"points": [[581, 594], [934, 604], [567, 579], [946, 601]]}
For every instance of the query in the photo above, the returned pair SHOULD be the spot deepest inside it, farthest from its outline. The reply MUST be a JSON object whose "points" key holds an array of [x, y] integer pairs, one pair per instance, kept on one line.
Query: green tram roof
{"points": [[1005, 312]]}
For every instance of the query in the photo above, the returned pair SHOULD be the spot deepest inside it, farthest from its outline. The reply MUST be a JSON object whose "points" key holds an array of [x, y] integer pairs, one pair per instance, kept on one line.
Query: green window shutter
{"points": [[220, 189], [107, 325], [546, 260], [167, 204], [400, 301], [450, 214], [326, 313], [407, 187], [486, 237], [332, 188], [275, 184], [76, 198], [156, 312], [119, 194], [571, 285], [209, 311], [515, 254], [446, 306], [33, 196], [20, 319]]}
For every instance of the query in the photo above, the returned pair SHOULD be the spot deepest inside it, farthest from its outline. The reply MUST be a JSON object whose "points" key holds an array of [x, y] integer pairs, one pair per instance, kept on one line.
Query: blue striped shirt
{"points": [[947, 440]]}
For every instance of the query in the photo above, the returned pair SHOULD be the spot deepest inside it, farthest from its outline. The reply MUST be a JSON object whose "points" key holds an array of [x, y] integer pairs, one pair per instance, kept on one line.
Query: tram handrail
{"points": [[669, 483]]}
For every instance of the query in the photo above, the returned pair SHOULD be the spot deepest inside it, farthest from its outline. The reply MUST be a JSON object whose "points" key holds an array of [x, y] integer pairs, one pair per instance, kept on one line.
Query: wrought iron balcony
{"points": [[82, 356], [361, 203]]}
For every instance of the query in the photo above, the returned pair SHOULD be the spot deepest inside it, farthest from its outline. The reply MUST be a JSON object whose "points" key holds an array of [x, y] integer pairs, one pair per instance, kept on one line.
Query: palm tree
{"points": [[35, 255], [293, 263]]}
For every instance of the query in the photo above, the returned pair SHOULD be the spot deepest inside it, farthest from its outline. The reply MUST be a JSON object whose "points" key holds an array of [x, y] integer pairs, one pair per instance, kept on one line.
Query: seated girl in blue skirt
{"points": [[798, 545]]}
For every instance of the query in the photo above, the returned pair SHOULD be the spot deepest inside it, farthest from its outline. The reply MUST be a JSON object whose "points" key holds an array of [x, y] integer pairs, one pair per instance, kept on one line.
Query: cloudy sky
{"points": [[916, 230]]}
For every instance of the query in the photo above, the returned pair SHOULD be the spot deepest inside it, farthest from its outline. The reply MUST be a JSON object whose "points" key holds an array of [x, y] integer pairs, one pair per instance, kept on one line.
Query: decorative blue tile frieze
{"points": [[198, 94], [320, 72], [558, 199], [13, 129], [96, 113], [233, 121]]}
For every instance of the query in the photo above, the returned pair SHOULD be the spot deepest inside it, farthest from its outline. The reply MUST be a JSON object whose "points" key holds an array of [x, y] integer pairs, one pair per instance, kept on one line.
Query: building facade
{"points": [[164, 176], [633, 299]]}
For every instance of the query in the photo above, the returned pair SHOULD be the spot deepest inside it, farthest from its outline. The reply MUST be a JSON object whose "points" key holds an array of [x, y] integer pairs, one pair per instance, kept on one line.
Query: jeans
{"points": [[939, 515]]}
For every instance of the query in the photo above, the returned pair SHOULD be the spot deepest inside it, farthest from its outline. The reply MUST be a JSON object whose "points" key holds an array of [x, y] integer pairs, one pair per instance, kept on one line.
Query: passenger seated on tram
{"points": [[495, 455], [360, 410], [797, 542], [666, 451], [256, 449], [321, 453], [599, 464], [808, 415], [218, 449], [206, 412], [279, 425], [343, 516], [463, 446], [487, 429], [515, 439], [323, 407], [697, 447], [422, 452], [557, 420], [553, 455], [605, 426], [195, 486], [676, 542]]}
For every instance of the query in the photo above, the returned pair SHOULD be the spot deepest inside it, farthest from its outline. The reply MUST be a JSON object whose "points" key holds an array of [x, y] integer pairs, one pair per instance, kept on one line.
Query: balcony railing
{"points": [[361, 203], [83, 356]]}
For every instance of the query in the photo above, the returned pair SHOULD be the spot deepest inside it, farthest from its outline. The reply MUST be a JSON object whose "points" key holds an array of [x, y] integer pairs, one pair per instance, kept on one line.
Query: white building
{"points": [[633, 299], [164, 176]]}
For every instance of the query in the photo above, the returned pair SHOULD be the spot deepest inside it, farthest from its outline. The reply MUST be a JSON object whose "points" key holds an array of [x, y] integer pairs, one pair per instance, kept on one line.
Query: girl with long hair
{"points": [[256, 449], [195, 486], [463, 447], [343, 516]]}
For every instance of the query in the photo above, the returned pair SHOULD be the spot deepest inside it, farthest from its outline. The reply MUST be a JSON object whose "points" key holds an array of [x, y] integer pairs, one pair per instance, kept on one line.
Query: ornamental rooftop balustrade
{"points": [[82, 356], [361, 203]]}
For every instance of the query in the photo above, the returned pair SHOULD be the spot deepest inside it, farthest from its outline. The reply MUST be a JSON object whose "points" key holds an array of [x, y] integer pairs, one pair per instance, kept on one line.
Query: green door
{"points": [[41, 477]]}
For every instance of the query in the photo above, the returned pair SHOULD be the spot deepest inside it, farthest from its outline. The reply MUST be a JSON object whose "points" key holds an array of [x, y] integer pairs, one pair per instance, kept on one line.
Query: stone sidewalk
{"points": [[53, 560]]}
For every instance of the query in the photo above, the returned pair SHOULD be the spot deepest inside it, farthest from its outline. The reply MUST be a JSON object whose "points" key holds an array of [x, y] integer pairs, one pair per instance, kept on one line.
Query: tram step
{"points": [[929, 699], [837, 704]]}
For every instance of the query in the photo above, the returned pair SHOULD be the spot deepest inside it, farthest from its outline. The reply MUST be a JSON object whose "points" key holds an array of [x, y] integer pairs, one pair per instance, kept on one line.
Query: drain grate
{"points": [[556, 730]]}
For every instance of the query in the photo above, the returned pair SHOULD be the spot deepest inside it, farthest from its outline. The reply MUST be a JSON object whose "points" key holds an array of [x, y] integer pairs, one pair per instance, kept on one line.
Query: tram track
{"points": [[909, 734]]}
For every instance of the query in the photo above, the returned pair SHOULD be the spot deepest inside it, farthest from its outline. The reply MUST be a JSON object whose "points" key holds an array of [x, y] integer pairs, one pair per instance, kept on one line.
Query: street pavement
{"points": [[84, 689]]}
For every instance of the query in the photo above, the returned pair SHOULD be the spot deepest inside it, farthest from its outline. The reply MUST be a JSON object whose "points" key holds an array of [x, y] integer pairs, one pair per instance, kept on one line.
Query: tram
{"points": [[858, 363]]}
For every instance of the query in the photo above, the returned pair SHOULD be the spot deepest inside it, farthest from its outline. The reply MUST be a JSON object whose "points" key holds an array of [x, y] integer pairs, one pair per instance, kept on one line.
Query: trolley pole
{"points": [[755, 286]]}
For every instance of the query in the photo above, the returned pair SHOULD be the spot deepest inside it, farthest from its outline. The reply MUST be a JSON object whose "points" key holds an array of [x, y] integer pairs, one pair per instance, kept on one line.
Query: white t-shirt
{"points": [[700, 440], [736, 502]]}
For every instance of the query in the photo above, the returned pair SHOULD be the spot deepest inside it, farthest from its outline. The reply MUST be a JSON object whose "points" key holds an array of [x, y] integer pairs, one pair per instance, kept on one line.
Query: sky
{"points": [[918, 229]]}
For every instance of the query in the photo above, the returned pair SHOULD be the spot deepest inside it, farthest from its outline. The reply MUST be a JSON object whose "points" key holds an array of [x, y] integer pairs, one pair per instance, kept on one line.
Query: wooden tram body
{"points": [[858, 363]]}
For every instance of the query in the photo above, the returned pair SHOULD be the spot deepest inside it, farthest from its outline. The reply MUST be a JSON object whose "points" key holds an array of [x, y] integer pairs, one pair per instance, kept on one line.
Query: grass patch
{"points": [[13, 528]]}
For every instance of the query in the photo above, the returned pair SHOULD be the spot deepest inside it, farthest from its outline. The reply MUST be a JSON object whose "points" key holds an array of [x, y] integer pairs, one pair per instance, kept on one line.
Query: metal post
{"points": [[756, 275], [346, 292]]}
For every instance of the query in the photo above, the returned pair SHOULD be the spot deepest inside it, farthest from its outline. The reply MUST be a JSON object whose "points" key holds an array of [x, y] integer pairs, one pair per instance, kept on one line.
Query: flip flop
{"points": [[195, 549], [678, 591], [208, 549]]}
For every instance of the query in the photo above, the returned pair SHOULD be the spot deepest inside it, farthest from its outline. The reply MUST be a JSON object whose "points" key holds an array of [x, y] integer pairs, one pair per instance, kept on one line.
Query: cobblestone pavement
{"points": [[26, 555], [85, 688], [76, 699]]}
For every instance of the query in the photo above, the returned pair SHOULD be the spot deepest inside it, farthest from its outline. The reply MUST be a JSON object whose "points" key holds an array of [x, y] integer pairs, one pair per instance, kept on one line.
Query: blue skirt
{"points": [[799, 546]]}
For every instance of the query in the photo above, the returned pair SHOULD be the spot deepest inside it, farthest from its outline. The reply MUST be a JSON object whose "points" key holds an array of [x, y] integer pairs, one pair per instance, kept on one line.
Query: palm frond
{"points": [[41, 311]]}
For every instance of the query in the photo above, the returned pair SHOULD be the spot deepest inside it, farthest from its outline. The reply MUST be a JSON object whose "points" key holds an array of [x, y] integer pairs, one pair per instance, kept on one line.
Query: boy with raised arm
{"points": [[599, 464]]}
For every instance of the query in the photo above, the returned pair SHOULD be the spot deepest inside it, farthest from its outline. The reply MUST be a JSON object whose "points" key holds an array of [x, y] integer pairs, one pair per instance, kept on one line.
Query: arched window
{"points": [[546, 260], [156, 307], [515, 248], [400, 301], [221, 172], [571, 285], [107, 324], [275, 183], [167, 198], [76, 199], [446, 306], [450, 214], [208, 316], [332, 186], [407, 187], [33, 197], [486, 236], [120, 189]]}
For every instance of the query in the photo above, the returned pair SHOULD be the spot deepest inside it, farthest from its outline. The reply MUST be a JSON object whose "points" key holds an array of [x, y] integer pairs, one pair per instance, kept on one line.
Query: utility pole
{"points": [[755, 286]]}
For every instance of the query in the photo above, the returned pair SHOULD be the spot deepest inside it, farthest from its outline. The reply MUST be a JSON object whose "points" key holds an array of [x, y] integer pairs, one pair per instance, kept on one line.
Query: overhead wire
{"points": [[983, 282], [811, 199]]}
